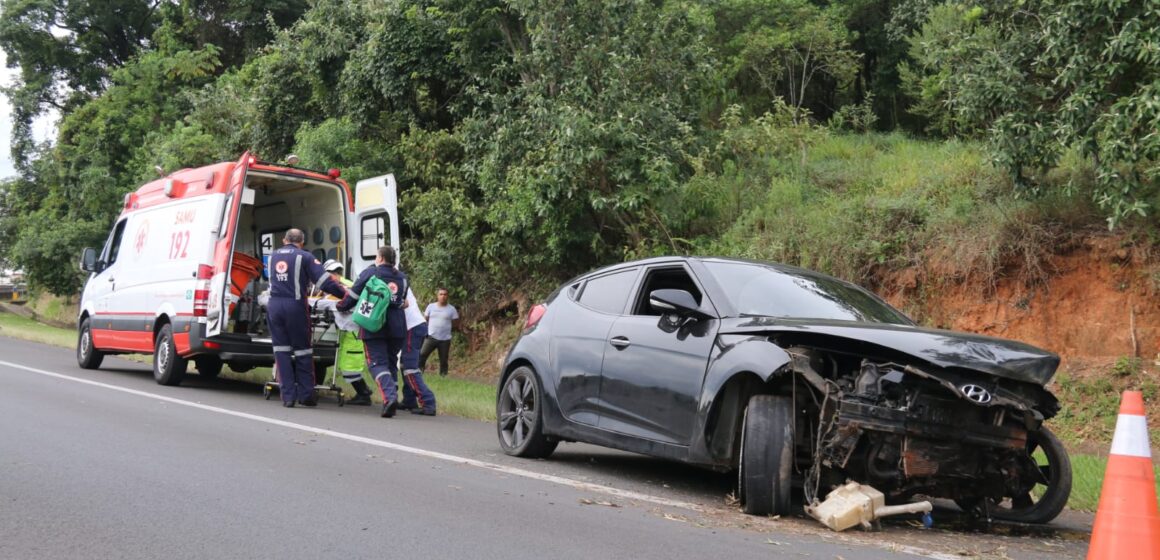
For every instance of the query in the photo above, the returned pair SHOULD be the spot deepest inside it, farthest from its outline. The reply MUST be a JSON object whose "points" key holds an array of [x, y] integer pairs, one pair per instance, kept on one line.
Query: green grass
{"points": [[16, 326], [1087, 477], [456, 397]]}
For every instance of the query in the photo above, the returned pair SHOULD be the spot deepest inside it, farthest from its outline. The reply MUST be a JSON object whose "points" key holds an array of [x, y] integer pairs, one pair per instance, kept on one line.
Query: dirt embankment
{"points": [[1096, 303]]}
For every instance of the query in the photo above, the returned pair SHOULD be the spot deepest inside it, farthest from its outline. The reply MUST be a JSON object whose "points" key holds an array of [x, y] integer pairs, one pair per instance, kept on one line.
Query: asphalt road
{"points": [[108, 464]]}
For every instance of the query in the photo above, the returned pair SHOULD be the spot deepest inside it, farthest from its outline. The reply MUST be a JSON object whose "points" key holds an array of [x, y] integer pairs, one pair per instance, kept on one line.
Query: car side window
{"points": [[608, 293], [114, 246], [667, 278]]}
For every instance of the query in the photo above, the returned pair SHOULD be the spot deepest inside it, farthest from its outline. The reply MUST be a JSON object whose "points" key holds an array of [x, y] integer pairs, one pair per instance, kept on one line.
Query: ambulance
{"points": [[181, 273]]}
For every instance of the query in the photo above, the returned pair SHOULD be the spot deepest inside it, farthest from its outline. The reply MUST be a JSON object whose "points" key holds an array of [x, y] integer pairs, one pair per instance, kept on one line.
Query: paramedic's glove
{"points": [[264, 298], [347, 302]]}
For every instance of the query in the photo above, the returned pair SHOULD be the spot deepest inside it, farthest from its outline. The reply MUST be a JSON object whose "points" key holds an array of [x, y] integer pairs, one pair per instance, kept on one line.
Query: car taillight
{"points": [[201, 290], [535, 315]]}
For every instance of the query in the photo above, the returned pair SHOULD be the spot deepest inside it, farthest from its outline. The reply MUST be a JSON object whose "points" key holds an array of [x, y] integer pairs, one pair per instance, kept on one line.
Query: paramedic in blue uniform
{"points": [[292, 271], [382, 347]]}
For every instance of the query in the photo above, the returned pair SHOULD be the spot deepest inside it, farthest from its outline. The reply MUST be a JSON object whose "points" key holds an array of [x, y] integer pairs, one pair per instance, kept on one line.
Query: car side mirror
{"points": [[680, 302], [89, 261]]}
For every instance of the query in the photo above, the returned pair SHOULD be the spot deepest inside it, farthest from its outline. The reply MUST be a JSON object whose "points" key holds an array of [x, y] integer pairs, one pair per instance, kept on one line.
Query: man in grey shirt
{"points": [[441, 316]]}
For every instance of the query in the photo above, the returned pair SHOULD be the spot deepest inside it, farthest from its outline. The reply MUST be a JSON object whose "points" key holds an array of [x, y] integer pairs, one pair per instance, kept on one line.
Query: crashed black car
{"points": [[794, 378]]}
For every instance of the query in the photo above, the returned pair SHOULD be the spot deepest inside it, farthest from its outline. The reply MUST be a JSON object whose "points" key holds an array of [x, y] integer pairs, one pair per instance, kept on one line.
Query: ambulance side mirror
{"points": [[89, 261]]}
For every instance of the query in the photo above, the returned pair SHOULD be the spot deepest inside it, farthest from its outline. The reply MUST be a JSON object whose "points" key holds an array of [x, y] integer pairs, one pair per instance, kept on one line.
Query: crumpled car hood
{"points": [[947, 349]]}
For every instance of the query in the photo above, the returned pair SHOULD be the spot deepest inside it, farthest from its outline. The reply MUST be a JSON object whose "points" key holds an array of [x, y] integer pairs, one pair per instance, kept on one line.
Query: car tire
{"points": [[168, 367], [519, 416], [88, 357], [208, 366], [1052, 499], [765, 468]]}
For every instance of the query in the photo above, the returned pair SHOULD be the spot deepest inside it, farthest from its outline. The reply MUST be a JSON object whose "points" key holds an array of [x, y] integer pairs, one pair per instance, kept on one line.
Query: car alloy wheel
{"points": [[519, 416]]}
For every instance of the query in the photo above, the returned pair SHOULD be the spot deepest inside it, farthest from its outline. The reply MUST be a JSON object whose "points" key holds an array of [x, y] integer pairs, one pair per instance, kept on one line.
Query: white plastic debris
{"points": [[858, 504]]}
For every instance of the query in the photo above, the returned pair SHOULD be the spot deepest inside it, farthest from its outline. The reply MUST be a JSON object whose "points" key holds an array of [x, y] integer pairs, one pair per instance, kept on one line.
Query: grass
{"points": [[455, 397], [16, 326], [1087, 478]]}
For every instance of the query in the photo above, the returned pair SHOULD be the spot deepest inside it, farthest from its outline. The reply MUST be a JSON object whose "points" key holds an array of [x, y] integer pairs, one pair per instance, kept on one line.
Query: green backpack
{"points": [[370, 312]]}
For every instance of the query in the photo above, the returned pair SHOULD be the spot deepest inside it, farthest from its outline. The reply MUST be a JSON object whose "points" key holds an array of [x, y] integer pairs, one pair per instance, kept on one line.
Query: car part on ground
{"points": [[854, 504]]}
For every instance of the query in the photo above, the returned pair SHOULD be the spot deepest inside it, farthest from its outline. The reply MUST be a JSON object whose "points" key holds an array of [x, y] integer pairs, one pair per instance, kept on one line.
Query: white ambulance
{"points": [[181, 271]]}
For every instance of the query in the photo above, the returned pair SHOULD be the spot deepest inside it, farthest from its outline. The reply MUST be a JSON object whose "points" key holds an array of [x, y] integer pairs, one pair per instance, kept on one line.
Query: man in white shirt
{"points": [[441, 317]]}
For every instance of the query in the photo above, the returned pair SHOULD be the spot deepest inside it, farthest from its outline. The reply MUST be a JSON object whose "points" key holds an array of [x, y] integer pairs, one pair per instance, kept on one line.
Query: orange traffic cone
{"points": [[1127, 520]]}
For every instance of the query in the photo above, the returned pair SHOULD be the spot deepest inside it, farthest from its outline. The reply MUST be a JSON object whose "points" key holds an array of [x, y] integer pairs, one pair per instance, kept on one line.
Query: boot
{"points": [[362, 393]]}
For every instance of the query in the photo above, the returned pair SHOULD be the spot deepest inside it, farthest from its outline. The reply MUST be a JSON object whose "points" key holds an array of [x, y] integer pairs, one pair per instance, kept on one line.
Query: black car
{"points": [[794, 378]]}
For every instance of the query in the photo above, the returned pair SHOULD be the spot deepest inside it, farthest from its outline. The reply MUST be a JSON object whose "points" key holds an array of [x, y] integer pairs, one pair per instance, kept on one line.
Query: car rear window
{"points": [[608, 293], [761, 290]]}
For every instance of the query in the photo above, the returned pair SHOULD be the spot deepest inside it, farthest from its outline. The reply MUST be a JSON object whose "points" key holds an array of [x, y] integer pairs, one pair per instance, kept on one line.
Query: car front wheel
{"points": [[765, 469], [1041, 492], [520, 417], [168, 367]]}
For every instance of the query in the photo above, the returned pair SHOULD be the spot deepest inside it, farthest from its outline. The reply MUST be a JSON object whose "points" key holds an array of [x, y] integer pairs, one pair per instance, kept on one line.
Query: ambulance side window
{"points": [[373, 234], [114, 246]]}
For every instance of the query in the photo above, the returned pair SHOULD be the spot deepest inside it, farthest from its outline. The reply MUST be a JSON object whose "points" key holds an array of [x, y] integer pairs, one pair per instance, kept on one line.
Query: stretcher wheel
{"points": [[341, 399], [266, 391]]}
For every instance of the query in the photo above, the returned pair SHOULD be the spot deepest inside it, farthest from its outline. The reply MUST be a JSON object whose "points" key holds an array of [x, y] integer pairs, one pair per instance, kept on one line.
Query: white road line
{"points": [[585, 486]]}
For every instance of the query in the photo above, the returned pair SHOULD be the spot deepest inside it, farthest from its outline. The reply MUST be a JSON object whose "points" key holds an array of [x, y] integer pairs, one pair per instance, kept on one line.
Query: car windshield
{"points": [[760, 290]]}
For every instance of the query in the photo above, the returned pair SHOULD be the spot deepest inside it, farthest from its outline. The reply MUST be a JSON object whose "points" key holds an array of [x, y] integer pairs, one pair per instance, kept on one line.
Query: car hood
{"points": [[947, 349]]}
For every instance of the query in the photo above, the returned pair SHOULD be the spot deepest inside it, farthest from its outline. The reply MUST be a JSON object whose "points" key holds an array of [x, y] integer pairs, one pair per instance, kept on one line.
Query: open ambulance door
{"points": [[215, 279], [375, 221]]}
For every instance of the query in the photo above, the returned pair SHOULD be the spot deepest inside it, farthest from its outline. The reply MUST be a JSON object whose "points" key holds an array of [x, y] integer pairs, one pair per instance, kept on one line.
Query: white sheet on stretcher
{"points": [[342, 319]]}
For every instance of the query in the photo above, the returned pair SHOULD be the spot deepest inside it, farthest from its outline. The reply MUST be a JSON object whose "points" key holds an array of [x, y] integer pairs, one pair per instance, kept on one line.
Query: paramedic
{"points": [[292, 270], [417, 397], [350, 361], [382, 347]]}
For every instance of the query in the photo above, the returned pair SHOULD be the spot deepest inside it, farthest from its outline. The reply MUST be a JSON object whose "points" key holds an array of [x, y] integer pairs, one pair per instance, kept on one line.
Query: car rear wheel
{"points": [[765, 468], [168, 367], [1042, 492], [208, 366], [88, 357], [520, 417]]}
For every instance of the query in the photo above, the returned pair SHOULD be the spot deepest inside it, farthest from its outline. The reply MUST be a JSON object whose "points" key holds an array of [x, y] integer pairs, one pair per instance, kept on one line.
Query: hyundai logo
{"points": [[976, 393]]}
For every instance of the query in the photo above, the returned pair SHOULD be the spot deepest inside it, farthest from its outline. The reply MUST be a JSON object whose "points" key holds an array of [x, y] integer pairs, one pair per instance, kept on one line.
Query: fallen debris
{"points": [[858, 504]]}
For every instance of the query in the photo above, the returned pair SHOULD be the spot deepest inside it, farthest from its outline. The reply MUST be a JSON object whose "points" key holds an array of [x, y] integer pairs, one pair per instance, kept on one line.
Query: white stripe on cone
{"points": [[1131, 437]]}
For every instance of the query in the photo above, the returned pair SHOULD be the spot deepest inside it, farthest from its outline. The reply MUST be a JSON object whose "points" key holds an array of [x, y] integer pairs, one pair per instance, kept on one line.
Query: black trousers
{"points": [[429, 345]]}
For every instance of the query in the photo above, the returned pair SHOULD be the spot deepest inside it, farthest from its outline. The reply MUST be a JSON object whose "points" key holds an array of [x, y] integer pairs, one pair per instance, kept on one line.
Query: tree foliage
{"points": [[535, 139]]}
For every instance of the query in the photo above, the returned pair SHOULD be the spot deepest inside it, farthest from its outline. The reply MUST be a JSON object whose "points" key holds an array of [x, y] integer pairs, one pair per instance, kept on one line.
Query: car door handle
{"points": [[619, 342], [111, 279]]}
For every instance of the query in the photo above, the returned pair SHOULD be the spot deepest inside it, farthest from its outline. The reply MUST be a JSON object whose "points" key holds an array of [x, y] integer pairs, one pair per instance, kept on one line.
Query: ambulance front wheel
{"points": [[88, 357]]}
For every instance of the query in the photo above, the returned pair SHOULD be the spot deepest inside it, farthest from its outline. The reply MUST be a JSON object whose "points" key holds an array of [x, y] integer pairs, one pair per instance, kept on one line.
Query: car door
{"points": [[579, 335], [654, 364]]}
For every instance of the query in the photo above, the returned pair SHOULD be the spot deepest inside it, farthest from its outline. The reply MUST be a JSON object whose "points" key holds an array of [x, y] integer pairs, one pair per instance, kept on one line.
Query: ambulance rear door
{"points": [[225, 228], [375, 221]]}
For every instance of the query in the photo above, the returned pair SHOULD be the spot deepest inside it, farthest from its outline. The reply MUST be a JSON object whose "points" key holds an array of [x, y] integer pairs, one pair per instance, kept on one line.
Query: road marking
{"points": [[586, 486]]}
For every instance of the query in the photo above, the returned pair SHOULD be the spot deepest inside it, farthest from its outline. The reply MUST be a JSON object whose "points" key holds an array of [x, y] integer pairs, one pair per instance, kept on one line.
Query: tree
{"points": [[66, 51], [787, 47]]}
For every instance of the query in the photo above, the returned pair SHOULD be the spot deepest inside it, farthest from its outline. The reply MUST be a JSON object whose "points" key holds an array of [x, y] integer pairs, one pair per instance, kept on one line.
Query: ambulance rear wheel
{"points": [[88, 357], [168, 366], [208, 366]]}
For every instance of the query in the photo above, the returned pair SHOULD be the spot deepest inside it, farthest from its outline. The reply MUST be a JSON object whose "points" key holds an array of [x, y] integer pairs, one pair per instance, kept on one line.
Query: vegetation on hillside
{"points": [[537, 139]]}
